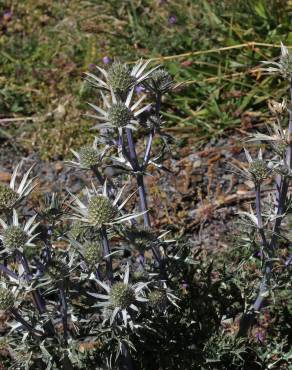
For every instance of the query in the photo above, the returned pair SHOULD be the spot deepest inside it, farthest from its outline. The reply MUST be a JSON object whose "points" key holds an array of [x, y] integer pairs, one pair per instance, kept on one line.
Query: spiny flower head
{"points": [[57, 270], [7, 299], [159, 82], [119, 115], [121, 298], [14, 238], [119, 78], [92, 253], [101, 210], [8, 197], [141, 237], [122, 295], [158, 299], [259, 169], [89, 156]]}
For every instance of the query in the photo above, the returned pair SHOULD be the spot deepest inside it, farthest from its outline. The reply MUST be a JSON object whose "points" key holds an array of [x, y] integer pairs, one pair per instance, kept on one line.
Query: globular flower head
{"points": [[141, 237], [158, 300], [159, 82], [8, 197], [88, 156], [16, 236], [119, 115], [57, 270], [258, 170], [92, 253], [119, 77], [121, 298], [283, 67], [7, 299], [101, 210], [122, 295]]}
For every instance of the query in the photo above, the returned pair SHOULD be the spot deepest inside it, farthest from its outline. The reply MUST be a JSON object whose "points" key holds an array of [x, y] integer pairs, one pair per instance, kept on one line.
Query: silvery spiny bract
{"points": [[100, 209], [122, 297], [88, 156], [119, 78], [283, 67], [257, 171], [10, 195], [118, 114]]}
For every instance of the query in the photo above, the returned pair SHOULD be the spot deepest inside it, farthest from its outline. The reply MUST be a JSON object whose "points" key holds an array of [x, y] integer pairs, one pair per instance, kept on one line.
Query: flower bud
{"points": [[259, 170], [7, 299], [160, 81], [277, 108], [141, 237], [92, 253], [122, 295], [100, 210], [158, 300], [57, 270], [7, 197]]}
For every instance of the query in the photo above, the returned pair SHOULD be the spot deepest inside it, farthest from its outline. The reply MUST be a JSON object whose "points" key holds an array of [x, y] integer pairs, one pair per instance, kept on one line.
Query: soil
{"points": [[199, 196]]}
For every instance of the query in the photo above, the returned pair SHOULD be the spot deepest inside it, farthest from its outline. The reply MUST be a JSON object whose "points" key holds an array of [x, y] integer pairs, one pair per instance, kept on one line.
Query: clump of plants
{"points": [[88, 283]]}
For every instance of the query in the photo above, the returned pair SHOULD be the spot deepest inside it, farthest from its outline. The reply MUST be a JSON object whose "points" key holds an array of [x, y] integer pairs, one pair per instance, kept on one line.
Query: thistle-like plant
{"points": [[280, 166]]}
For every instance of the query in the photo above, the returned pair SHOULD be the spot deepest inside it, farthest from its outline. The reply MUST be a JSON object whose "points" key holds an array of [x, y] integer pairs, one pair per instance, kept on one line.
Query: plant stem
{"points": [[39, 303], [64, 310], [106, 252], [281, 197], [21, 320], [6, 270]]}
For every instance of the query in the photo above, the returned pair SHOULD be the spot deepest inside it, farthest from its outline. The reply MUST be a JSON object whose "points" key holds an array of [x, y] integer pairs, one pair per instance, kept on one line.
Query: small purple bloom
{"points": [[91, 66], [7, 15], [106, 60], [289, 260], [172, 20], [260, 335], [139, 89]]}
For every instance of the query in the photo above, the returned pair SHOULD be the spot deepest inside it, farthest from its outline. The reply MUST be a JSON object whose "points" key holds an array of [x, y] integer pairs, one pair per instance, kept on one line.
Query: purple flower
{"points": [[139, 89], [289, 260], [7, 15], [260, 335], [91, 66], [172, 20], [106, 60]]}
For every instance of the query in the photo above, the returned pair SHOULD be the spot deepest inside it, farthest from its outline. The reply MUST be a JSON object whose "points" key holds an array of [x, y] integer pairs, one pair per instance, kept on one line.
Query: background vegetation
{"points": [[45, 46]]}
